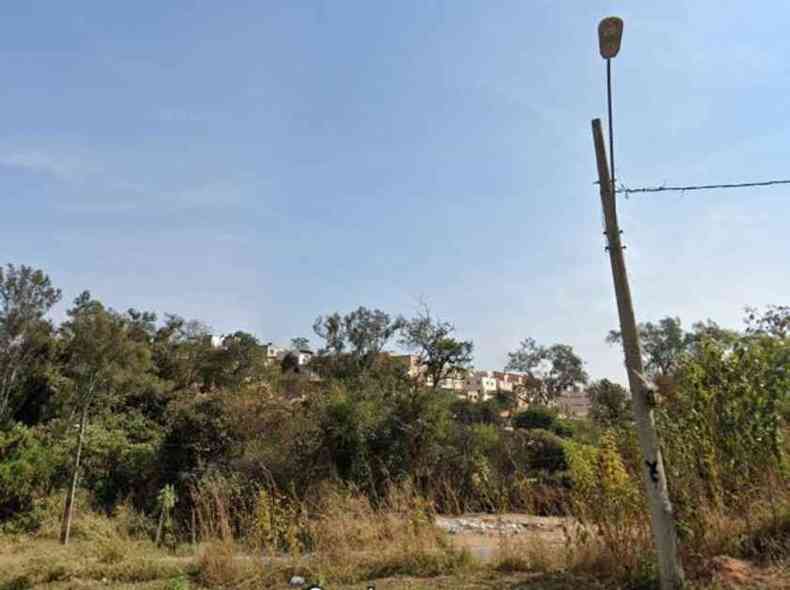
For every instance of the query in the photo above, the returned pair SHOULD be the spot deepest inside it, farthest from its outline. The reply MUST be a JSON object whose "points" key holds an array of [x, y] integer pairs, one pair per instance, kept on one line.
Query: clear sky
{"points": [[255, 164]]}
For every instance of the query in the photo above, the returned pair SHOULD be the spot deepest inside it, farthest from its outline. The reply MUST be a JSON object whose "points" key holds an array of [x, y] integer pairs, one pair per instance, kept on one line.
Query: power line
{"points": [[660, 189]]}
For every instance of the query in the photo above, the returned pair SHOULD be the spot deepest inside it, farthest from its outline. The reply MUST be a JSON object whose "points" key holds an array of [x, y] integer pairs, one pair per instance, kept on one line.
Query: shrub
{"points": [[26, 469], [546, 451], [606, 499], [721, 429], [535, 416], [538, 417]]}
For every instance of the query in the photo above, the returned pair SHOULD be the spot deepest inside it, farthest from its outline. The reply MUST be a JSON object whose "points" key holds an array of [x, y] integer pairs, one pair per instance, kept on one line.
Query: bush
{"points": [[546, 451], [535, 416], [721, 429], [607, 501], [26, 471], [538, 417]]}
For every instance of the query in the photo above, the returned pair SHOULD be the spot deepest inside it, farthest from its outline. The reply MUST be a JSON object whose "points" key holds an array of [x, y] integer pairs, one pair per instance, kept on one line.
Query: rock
{"points": [[296, 581]]}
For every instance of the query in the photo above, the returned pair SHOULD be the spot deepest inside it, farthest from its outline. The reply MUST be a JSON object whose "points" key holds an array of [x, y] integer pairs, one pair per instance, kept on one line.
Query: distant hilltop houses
{"points": [[472, 384]]}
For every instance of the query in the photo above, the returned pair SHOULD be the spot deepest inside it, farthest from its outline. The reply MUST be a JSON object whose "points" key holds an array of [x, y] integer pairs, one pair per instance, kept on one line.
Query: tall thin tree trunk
{"points": [[65, 529], [159, 527], [194, 528]]}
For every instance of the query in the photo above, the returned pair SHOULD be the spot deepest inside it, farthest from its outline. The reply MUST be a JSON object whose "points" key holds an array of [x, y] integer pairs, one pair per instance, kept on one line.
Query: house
{"points": [[481, 383]]}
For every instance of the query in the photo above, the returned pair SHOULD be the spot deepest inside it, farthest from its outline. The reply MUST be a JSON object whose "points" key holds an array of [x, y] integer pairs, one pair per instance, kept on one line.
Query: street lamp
{"points": [[610, 33]]}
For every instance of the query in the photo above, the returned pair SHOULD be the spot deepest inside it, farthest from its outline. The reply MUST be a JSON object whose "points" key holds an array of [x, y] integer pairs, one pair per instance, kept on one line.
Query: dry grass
{"points": [[345, 541], [30, 562], [527, 554], [102, 550], [338, 538]]}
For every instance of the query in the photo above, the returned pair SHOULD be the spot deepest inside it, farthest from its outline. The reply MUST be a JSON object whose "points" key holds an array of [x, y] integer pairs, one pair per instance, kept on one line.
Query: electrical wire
{"points": [[660, 189]]}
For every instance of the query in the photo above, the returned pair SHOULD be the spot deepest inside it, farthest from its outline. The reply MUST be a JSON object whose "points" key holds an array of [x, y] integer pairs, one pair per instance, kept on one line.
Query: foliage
{"points": [[774, 321], [352, 342], [470, 412], [662, 344], [606, 499], [553, 369], [239, 359], [546, 451], [439, 355], [722, 427], [610, 404], [300, 343], [258, 463], [100, 359], [26, 295], [26, 469], [665, 343], [542, 417]]}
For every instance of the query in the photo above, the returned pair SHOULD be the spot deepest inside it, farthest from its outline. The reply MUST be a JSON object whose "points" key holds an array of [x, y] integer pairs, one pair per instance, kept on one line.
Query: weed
{"points": [[18, 583]]}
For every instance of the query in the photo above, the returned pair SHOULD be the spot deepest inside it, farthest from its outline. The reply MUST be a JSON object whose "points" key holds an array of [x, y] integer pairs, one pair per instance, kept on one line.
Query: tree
{"points": [[610, 403], [361, 335], [551, 370], [239, 359], [663, 345], [100, 362], [181, 351], [26, 295], [438, 353], [300, 343], [774, 321]]}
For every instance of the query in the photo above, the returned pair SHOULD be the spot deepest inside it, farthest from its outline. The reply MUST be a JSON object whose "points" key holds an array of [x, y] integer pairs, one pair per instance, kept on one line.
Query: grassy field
{"points": [[27, 562], [348, 544]]}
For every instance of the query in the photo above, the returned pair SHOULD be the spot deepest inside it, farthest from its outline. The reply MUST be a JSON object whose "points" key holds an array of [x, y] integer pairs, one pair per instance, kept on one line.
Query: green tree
{"points": [[353, 342], [26, 296], [552, 369], [300, 343], [438, 353], [100, 363], [663, 345], [182, 352], [610, 403], [239, 359], [774, 321]]}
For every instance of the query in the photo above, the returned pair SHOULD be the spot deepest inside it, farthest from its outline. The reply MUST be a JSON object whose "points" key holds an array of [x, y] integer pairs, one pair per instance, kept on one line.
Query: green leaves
{"points": [[439, 355], [610, 404], [101, 360], [26, 296], [553, 369], [722, 419], [26, 467]]}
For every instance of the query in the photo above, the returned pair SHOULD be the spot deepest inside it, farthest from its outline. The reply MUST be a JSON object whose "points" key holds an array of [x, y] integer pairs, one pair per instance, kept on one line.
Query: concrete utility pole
{"points": [[610, 32], [664, 535]]}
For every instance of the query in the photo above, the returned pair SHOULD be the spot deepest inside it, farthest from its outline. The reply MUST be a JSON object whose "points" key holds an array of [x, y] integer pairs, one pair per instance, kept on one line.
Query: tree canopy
{"points": [[552, 369]]}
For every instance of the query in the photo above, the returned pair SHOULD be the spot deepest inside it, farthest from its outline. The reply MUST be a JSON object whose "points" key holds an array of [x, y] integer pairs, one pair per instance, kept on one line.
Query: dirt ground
{"points": [[482, 534]]}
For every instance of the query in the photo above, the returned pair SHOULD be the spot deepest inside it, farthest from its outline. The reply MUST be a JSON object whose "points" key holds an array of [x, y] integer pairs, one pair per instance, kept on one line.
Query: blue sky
{"points": [[256, 164]]}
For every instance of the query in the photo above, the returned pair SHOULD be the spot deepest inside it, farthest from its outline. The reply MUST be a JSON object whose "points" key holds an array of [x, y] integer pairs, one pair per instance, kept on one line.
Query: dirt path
{"points": [[482, 534]]}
